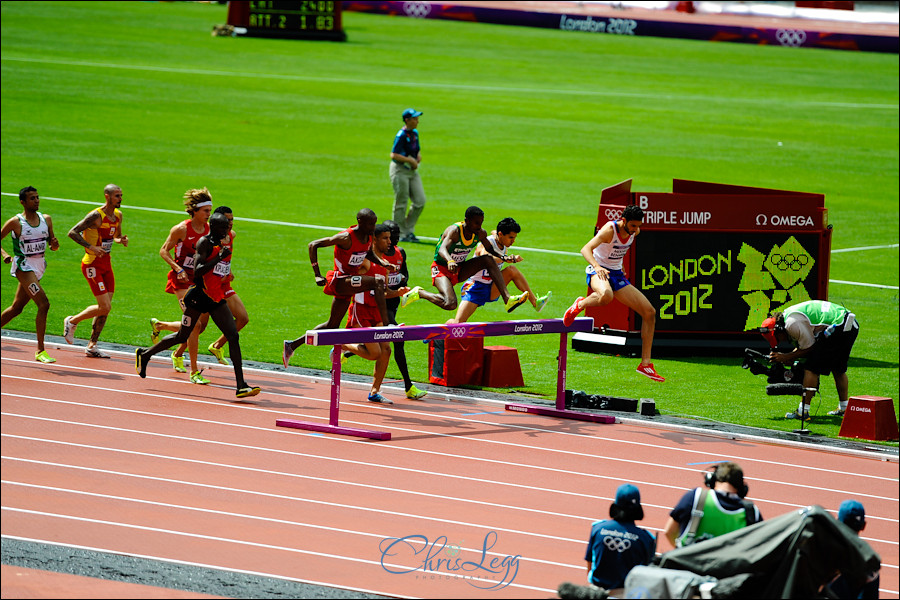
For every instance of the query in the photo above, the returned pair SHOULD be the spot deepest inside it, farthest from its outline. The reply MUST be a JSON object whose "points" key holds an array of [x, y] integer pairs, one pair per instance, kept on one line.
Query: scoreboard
{"points": [[297, 19], [715, 259]]}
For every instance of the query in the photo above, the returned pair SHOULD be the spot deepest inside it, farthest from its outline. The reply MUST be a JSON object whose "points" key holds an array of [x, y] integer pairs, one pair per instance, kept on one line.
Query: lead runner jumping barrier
{"points": [[364, 335]]}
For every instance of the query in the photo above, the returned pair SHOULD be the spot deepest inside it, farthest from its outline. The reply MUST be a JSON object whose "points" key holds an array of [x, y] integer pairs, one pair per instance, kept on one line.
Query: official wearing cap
{"points": [[406, 155], [617, 545]]}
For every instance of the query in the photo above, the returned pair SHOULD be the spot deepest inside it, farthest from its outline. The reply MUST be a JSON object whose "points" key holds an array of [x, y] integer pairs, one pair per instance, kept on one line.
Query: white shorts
{"points": [[36, 264]]}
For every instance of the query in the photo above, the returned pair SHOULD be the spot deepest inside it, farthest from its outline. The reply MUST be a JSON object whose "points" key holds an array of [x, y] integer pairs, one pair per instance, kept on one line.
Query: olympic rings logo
{"points": [[418, 10], [616, 544], [784, 262], [790, 37], [613, 214], [458, 332]]}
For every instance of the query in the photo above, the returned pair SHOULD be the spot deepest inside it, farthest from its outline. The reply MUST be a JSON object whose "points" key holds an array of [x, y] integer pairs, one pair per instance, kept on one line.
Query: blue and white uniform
{"points": [[477, 288], [609, 255], [29, 247], [614, 549]]}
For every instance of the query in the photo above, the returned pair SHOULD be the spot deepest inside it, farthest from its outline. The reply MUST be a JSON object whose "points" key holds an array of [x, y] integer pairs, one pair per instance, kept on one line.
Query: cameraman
{"points": [[823, 334]]}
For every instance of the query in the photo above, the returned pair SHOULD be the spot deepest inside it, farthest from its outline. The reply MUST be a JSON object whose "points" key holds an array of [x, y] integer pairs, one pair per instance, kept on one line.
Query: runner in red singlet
{"points": [[182, 240], [351, 247]]}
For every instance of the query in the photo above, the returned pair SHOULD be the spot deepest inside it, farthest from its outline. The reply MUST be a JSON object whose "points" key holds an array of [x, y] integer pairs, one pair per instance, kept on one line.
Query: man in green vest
{"points": [[822, 334], [715, 509]]}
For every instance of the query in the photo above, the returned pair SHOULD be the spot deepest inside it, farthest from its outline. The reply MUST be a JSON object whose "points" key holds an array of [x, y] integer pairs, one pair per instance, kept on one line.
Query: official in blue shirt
{"points": [[618, 545], [406, 155]]}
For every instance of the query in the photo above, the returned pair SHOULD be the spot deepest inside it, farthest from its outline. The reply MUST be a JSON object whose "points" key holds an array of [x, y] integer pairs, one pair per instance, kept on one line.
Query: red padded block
{"points": [[455, 362], [870, 418], [501, 367]]}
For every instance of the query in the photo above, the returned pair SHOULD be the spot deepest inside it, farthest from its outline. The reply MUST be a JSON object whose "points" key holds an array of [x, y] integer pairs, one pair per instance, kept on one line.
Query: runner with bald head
{"points": [[351, 247]]}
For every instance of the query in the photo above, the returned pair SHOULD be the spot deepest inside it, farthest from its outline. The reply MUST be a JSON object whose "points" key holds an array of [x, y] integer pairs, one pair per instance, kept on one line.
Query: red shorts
{"points": [[226, 289], [172, 282], [442, 271], [331, 277], [100, 277], [363, 315]]}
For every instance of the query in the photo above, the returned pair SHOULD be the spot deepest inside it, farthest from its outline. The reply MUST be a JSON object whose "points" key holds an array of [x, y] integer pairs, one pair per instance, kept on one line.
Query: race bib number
{"points": [[222, 269], [394, 279], [91, 272], [188, 262], [357, 259], [34, 289], [33, 248], [460, 255], [107, 245]]}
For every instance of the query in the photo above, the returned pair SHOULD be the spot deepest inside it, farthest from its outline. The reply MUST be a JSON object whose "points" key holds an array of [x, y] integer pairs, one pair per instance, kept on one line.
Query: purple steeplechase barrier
{"points": [[336, 337]]}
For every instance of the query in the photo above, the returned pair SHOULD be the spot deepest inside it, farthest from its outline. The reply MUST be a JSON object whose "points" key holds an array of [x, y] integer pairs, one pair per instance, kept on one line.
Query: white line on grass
{"points": [[542, 250], [449, 86]]}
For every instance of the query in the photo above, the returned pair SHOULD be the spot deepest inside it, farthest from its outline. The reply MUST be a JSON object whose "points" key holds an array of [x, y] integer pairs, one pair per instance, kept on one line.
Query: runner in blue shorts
{"points": [[479, 289], [607, 280]]}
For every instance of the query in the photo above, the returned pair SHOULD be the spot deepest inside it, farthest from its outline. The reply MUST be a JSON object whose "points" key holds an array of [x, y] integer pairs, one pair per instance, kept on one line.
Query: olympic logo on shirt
{"points": [[613, 214], [790, 37], [616, 544], [784, 262], [419, 10]]}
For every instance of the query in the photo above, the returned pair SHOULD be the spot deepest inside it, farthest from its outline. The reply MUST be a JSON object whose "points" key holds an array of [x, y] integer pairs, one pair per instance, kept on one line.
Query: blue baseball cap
{"points": [[628, 495], [411, 112], [852, 514]]}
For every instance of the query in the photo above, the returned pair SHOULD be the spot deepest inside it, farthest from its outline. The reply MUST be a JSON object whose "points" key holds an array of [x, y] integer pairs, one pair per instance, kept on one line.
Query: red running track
{"points": [[95, 457]]}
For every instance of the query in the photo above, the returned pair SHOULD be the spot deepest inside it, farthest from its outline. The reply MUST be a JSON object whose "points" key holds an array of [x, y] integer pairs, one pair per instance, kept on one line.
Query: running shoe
{"points": [[836, 413], [154, 331], [69, 330], [515, 302], [95, 353], [376, 397], [542, 301], [140, 364], [247, 391], [414, 393], [286, 353], [572, 312], [410, 297], [178, 364], [796, 416], [650, 372], [198, 378], [43, 357], [219, 353]]}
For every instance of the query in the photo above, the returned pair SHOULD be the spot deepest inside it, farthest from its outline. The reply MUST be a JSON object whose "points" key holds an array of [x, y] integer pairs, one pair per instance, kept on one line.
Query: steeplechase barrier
{"points": [[364, 335]]}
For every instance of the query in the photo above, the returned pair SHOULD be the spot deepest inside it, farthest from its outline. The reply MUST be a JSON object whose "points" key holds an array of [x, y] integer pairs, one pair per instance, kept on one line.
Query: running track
{"points": [[95, 457]]}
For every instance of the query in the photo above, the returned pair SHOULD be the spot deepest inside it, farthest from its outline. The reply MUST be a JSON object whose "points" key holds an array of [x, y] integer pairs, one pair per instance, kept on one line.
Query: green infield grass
{"points": [[529, 123]]}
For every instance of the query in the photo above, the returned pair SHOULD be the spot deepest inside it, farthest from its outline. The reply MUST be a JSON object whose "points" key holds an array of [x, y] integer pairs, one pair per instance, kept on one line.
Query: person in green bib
{"points": [[822, 334], [452, 264], [717, 508]]}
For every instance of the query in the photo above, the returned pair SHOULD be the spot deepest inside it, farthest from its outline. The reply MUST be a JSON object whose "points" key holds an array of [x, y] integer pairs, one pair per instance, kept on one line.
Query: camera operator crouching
{"points": [[822, 334]]}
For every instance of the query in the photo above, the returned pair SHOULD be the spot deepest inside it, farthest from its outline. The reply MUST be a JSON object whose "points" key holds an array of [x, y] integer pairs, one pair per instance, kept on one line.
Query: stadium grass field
{"points": [[529, 123]]}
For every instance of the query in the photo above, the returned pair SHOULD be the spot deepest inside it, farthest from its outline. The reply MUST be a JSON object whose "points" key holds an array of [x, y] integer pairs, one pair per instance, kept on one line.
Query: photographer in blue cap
{"points": [[615, 547], [852, 514], [406, 155]]}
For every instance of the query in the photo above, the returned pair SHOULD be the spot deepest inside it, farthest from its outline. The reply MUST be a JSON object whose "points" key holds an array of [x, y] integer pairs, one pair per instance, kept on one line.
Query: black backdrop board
{"points": [[714, 260]]}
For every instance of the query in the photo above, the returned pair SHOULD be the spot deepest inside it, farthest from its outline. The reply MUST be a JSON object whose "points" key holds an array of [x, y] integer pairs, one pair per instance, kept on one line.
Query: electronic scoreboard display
{"points": [[290, 19]]}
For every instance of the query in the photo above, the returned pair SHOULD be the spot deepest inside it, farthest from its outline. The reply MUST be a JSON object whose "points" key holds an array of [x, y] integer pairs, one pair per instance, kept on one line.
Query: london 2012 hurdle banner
{"points": [[363, 335]]}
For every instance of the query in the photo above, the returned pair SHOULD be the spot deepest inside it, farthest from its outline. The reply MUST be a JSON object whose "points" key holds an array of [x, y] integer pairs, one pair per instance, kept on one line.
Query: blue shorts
{"points": [[477, 292], [617, 279]]}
